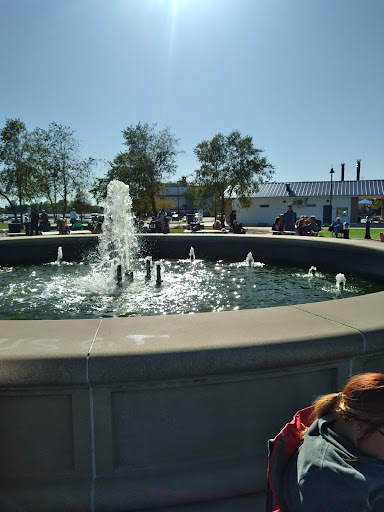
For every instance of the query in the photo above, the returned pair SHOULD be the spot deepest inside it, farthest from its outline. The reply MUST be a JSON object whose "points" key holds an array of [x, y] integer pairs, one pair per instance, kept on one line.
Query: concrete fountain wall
{"points": [[173, 413]]}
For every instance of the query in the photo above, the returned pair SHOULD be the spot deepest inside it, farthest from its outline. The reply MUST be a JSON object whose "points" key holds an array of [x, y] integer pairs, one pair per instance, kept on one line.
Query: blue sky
{"points": [[304, 78]]}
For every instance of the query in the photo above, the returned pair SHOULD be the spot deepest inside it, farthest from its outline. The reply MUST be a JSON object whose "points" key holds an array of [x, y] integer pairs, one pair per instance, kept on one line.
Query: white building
{"points": [[310, 198]]}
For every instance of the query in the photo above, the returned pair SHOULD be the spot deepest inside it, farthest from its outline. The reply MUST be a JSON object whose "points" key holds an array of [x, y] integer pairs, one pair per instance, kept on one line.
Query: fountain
{"points": [[192, 254], [249, 260], [59, 255], [140, 413], [312, 271], [117, 251], [340, 282]]}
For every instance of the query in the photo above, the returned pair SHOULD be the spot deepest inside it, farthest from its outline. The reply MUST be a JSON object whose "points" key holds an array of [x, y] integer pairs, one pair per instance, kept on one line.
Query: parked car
{"points": [[175, 216]]}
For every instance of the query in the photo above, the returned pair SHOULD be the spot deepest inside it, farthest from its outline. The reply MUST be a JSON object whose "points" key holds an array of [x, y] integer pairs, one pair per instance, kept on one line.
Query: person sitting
{"points": [[217, 225], [77, 226], [63, 228], [152, 226], [337, 226], [313, 228], [238, 228], [301, 227], [339, 465], [98, 229], [278, 223], [141, 228]]}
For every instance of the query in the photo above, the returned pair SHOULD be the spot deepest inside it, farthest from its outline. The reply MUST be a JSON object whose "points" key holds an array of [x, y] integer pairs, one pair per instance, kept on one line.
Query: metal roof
{"points": [[360, 188]]}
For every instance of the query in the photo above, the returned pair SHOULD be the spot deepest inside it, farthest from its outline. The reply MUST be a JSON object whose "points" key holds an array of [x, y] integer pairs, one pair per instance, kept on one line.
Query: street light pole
{"points": [[331, 172]]}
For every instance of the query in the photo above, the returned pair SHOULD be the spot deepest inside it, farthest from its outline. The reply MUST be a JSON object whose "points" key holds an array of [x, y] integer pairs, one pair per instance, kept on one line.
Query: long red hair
{"points": [[362, 399]]}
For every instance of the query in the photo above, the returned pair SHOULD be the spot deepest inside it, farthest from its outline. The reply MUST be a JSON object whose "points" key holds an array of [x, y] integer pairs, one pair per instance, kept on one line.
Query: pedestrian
{"points": [[289, 219]]}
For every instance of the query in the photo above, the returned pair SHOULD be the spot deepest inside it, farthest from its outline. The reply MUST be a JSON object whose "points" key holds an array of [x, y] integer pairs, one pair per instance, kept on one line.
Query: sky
{"points": [[304, 78]]}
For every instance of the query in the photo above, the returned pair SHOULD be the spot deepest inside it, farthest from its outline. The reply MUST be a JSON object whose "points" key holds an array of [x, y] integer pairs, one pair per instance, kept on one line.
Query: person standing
{"points": [[232, 218], [34, 222], [289, 219], [73, 216]]}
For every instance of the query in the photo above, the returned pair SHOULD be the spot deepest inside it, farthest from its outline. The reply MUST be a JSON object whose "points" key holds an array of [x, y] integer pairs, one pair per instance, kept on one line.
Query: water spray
{"points": [[59, 254], [249, 259], [340, 282]]}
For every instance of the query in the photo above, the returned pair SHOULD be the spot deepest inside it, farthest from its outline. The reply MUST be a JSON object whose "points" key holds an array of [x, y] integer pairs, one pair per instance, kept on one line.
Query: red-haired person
{"points": [[340, 465]]}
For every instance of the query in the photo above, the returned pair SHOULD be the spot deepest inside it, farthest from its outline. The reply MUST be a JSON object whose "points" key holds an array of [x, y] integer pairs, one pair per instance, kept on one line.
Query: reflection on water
{"points": [[73, 290]]}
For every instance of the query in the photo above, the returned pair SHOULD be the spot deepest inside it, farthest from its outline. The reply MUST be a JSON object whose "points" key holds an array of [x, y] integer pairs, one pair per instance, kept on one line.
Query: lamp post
{"points": [[331, 172]]}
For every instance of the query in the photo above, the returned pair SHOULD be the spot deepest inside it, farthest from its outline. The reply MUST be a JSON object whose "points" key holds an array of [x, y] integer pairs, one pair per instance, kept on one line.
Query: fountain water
{"points": [[117, 251], [312, 271], [249, 259], [59, 255], [192, 254], [340, 281]]}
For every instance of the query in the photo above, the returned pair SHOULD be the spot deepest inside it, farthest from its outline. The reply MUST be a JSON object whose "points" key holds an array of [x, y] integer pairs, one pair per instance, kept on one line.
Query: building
{"points": [[324, 199]]}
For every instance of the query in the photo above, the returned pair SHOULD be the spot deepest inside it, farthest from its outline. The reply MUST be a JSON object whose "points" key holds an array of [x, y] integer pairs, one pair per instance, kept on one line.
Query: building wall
{"points": [[265, 210]]}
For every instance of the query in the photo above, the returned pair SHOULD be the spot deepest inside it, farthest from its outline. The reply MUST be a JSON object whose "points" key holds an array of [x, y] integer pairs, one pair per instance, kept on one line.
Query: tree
{"points": [[230, 165], [80, 203], [17, 172], [64, 169], [150, 158]]}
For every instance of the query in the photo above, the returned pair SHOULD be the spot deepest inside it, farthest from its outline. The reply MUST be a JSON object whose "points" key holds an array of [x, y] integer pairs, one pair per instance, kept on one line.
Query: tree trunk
{"points": [[222, 209]]}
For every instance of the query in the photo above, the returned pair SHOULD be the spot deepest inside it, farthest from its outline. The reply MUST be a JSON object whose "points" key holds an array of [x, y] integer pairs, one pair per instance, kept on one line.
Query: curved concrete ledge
{"points": [[174, 411]]}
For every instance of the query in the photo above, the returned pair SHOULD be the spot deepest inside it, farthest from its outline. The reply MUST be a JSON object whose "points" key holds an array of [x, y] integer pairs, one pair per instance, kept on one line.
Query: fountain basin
{"points": [[136, 413]]}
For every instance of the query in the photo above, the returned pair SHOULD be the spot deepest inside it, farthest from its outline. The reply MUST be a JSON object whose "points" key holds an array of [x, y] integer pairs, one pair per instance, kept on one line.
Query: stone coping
{"points": [[180, 346]]}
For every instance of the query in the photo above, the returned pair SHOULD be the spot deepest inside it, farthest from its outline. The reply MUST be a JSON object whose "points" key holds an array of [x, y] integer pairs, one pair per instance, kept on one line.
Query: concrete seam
{"points": [[337, 322], [92, 424]]}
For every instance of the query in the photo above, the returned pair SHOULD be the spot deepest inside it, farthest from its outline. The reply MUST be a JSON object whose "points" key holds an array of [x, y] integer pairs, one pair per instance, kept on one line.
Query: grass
{"points": [[355, 233]]}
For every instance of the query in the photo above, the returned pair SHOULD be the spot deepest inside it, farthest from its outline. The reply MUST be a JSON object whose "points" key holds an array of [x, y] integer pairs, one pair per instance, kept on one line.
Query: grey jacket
{"points": [[289, 221], [328, 475]]}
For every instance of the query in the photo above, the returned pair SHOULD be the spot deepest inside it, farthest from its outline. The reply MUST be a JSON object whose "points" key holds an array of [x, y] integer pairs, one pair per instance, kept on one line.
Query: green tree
{"points": [[149, 159], [230, 166], [17, 171], [65, 171], [81, 203]]}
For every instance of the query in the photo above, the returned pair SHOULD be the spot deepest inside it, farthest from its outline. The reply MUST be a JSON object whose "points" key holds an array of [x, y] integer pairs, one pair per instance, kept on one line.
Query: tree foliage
{"points": [[230, 166], [16, 172], [149, 159], [65, 170], [41, 163]]}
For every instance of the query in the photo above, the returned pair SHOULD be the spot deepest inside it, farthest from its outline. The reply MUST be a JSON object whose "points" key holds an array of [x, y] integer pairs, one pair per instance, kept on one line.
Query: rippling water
{"points": [[73, 290]]}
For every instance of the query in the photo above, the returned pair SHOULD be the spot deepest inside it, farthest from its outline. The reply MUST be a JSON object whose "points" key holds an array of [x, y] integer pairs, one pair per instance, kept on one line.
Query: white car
{"points": [[175, 216]]}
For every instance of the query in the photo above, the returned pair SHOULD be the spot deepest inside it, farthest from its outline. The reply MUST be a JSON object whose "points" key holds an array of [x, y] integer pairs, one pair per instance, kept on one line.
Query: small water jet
{"points": [[249, 259], [192, 254], [312, 271], [59, 255], [340, 281]]}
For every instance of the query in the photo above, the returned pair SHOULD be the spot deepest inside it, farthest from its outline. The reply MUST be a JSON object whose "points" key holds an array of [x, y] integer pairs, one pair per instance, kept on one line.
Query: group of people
{"points": [[38, 222], [159, 224], [340, 463], [288, 222]]}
